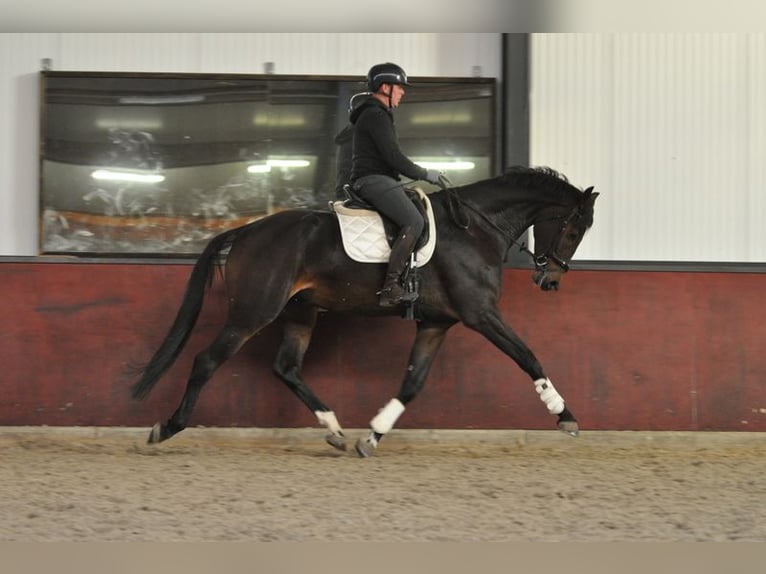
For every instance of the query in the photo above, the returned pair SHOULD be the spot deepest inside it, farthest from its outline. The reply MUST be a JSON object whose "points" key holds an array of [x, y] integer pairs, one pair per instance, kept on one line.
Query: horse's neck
{"points": [[511, 210]]}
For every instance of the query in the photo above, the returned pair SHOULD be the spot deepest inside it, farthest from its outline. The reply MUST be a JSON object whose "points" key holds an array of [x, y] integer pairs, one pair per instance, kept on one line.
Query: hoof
{"points": [[569, 427], [336, 441], [161, 432], [155, 435], [365, 447]]}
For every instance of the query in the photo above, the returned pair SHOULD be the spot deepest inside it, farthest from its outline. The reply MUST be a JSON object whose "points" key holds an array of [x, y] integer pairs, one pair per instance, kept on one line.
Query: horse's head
{"points": [[558, 232]]}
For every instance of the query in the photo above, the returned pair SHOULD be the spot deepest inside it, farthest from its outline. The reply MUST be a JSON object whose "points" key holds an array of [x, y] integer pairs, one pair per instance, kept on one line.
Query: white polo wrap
{"points": [[549, 395], [327, 419], [386, 417]]}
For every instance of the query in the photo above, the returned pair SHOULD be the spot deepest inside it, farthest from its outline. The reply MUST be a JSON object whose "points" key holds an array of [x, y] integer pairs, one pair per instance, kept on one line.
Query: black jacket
{"points": [[376, 145], [344, 140]]}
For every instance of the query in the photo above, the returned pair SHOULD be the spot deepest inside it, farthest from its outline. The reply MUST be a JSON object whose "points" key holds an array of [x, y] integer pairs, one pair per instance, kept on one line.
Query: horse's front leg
{"points": [[498, 332], [427, 343]]}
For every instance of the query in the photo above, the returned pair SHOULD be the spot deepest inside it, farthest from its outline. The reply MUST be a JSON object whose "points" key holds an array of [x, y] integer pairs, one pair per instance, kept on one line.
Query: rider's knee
{"points": [[417, 226]]}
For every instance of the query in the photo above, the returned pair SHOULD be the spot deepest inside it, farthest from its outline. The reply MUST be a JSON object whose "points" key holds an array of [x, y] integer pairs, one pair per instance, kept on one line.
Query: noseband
{"points": [[541, 261]]}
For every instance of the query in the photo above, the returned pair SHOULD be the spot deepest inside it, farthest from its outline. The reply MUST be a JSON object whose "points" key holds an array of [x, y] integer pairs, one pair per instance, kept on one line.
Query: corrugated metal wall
{"points": [[452, 55], [318, 53], [756, 158], [670, 127], [19, 149]]}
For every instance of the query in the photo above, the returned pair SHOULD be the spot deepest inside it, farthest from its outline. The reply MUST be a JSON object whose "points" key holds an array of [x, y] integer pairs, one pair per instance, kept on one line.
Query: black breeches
{"points": [[388, 196]]}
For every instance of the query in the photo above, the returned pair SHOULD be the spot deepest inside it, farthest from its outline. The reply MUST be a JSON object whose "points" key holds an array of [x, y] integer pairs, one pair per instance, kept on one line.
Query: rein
{"points": [[454, 205]]}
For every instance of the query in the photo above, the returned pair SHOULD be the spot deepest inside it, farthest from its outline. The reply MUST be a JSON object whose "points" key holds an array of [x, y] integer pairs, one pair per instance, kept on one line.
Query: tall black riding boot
{"points": [[392, 292]]}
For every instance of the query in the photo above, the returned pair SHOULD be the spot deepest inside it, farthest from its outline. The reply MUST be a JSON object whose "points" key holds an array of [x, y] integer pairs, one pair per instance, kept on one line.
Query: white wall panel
{"points": [[129, 52], [570, 117], [670, 127], [20, 56], [756, 158], [416, 53], [458, 54], [666, 126], [290, 53], [679, 111], [350, 54]]}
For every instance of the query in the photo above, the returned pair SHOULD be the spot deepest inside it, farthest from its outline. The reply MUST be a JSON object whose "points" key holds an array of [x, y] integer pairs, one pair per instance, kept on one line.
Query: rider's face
{"points": [[396, 92]]}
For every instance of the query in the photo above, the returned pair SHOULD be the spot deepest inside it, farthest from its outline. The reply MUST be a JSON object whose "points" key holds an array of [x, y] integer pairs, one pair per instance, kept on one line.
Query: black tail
{"points": [[186, 318]]}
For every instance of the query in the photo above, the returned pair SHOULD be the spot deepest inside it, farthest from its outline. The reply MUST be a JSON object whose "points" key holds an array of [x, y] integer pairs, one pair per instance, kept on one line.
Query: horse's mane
{"points": [[540, 172], [535, 183], [542, 177]]}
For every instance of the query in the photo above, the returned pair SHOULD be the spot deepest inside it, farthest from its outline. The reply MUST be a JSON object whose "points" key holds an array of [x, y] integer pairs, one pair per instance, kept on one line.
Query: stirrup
{"points": [[408, 297], [389, 299]]}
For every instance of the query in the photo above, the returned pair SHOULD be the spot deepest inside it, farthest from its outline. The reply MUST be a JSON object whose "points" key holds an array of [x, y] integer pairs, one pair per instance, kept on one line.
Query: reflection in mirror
{"points": [[156, 164]]}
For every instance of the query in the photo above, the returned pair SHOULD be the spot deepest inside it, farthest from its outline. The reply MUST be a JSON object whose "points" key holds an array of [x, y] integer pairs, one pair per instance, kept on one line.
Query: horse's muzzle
{"points": [[546, 280]]}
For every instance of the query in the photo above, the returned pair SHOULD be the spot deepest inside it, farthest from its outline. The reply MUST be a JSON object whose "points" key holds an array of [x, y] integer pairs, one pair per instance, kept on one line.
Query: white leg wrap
{"points": [[549, 395], [327, 419], [386, 417]]}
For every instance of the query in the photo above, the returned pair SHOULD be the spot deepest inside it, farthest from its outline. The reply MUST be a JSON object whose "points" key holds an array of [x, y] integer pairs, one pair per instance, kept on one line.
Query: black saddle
{"points": [[353, 201]]}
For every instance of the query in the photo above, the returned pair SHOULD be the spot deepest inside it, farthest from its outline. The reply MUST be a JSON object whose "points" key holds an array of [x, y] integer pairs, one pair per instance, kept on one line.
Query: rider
{"points": [[377, 164]]}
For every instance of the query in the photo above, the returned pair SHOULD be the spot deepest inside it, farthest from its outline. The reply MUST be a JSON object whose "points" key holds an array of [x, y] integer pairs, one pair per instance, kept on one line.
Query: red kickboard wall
{"points": [[628, 350]]}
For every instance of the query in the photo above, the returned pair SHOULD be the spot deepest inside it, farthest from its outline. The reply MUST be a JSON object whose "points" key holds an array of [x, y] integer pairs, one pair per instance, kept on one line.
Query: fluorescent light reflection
{"points": [[447, 165], [159, 100], [441, 119], [131, 176], [266, 167], [287, 162], [121, 123], [283, 121]]}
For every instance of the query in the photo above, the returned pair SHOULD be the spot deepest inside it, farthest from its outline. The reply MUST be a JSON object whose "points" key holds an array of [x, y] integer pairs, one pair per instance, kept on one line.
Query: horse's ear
{"points": [[590, 195]]}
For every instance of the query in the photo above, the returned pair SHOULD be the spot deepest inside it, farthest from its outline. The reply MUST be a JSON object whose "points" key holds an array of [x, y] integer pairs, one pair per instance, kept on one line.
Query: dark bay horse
{"points": [[291, 265]]}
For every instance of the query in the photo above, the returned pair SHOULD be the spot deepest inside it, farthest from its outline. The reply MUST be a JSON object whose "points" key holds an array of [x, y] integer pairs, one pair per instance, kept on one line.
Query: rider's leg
{"points": [[390, 199], [392, 291]]}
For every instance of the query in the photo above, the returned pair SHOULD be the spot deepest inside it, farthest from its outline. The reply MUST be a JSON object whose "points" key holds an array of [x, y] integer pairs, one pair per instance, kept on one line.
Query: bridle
{"points": [[455, 202], [541, 261]]}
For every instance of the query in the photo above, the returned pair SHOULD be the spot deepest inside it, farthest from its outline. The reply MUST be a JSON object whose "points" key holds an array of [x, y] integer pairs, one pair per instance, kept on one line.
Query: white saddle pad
{"points": [[364, 237]]}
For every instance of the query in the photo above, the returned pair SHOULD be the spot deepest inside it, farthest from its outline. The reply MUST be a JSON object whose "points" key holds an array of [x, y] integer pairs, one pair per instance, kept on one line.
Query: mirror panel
{"points": [[156, 164]]}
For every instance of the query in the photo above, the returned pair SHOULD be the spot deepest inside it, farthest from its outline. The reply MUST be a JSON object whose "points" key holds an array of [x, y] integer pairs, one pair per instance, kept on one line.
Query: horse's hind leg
{"points": [[429, 339], [299, 321], [228, 342]]}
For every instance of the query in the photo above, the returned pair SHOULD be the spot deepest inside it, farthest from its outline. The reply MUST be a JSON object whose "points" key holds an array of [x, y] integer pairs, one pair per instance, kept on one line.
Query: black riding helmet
{"points": [[387, 73]]}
